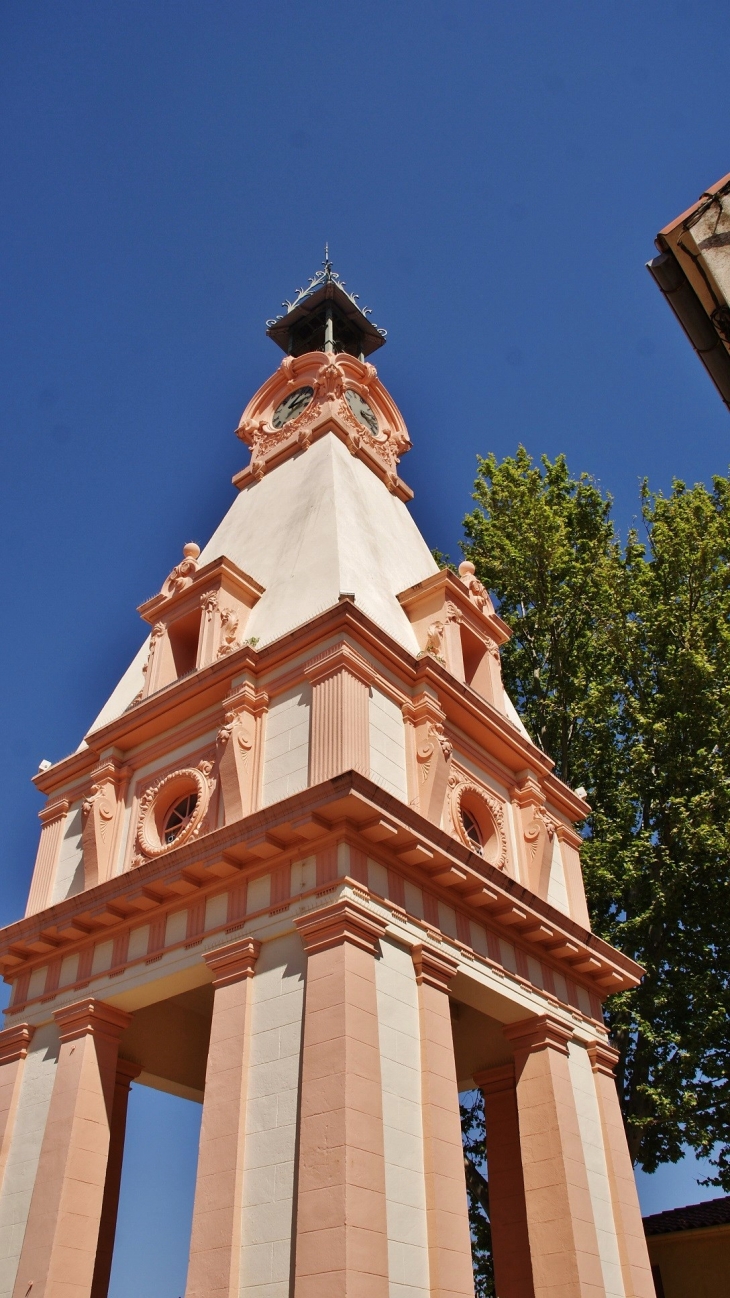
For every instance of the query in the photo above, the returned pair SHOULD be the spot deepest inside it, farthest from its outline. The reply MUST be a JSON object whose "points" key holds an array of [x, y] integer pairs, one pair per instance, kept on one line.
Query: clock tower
{"points": [[308, 869]]}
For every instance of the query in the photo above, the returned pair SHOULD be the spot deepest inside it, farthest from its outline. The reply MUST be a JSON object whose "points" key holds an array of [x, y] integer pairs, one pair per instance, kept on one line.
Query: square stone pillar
{"points": [[14, 1044], [447, 1212], [634, 1255], [215, 1242], [507, 1213], [341, 1229], [126, 1073], [53, 821], [560, 1223], [62, 1233], [340, 714]]}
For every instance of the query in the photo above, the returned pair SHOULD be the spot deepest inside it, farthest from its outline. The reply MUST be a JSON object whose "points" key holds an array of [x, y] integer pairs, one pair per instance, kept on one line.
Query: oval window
{"points": [[179, 816], [473, 832]]}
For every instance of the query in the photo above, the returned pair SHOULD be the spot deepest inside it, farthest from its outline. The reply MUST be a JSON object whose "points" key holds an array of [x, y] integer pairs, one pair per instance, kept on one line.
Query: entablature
{"points": [[347, 809]]}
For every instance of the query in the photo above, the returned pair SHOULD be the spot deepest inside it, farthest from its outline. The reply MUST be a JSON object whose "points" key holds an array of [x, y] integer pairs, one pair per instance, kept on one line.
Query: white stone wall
{"points": [[286, 745], [70, 868], [387, 745], [400, 1062], [17, 1187], [557, 893], [589, 1123], [271, 1114]]}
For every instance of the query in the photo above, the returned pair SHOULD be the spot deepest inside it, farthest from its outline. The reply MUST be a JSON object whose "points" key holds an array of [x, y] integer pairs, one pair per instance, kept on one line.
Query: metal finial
{"points": [[325, 276]]}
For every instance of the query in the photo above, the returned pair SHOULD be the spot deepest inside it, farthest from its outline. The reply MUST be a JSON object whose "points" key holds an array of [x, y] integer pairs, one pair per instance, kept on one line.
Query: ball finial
{"points": [[191, 550], [466, 569]]}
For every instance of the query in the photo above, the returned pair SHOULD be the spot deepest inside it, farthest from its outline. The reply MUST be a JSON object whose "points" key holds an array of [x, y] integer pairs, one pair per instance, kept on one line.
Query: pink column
{"points": [[62, 1233], [53, 819], [215, 1244], [635, 1265], [507, 1214], [126, 1073], [340, 721], [14, 1044], [341, 1231], [449, 1244], [563, 1243]]}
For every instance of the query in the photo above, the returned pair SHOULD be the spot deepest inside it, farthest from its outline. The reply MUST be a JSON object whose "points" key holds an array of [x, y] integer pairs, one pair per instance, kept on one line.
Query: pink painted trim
{"points": [[215, 1245], [449, 1246], [60, 1242], [341, 1228]]}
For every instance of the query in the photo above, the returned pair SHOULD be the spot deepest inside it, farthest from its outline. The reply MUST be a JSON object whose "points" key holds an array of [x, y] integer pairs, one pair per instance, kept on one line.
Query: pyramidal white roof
{"points": [[319, 524]]}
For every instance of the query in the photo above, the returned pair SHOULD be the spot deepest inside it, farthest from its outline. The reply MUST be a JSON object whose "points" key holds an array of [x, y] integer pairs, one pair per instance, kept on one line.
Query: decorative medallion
{"points": [[173, 809], [478, 819]]}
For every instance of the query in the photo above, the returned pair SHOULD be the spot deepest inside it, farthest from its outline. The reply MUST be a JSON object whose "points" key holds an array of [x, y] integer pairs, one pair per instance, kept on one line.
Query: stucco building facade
{"points": [[308, 869]]}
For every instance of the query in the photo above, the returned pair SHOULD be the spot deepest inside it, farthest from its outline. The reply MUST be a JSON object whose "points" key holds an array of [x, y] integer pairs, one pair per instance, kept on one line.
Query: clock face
{"points": [[291, 406], [362, 411]]}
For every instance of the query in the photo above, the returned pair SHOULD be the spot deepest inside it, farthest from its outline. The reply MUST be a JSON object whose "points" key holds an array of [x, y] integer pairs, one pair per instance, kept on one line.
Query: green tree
{"points": [[477, 1192], [619, 664]]}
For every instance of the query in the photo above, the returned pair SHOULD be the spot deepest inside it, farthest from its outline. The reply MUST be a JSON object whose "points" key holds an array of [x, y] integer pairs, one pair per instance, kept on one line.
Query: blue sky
{"points": [[490, 179]]}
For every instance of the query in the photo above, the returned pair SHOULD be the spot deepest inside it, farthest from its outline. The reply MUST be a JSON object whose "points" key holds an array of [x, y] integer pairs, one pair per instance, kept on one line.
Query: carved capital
{"points": [[433, 967], [231, 963], [127, 1071], [14, 1042], [54, 810], [343, 921], [603, 1058], [340, 658], [91, 1016], [495, 1081], [542, 1032]]}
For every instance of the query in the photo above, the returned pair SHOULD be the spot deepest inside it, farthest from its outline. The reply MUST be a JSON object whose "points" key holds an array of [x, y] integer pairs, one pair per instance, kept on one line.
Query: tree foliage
{"points": [[477, 1192], [620, 666]]}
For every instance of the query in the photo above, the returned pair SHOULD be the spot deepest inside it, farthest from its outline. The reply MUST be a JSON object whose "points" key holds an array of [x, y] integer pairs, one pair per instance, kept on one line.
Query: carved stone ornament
{"points": [[540, 823], [478, 594], [243, 723], [331, 377], [464, 790], [435, 639], [427, 747], [229, 627], [158, 801], [102, 799], [182, 575]]}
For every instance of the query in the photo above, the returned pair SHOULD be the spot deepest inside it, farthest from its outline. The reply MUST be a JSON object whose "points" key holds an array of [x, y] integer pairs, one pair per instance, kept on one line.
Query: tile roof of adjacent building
{"points": [[715, 1212]]}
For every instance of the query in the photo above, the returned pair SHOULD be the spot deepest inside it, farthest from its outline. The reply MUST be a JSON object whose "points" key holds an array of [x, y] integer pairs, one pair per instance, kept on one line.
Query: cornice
{"points": [[208, 687], [348, 807]]}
